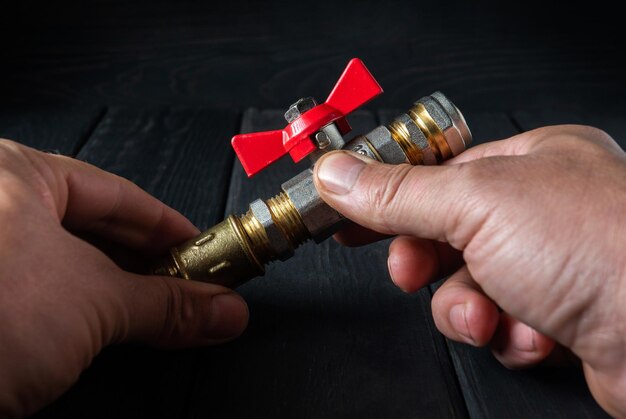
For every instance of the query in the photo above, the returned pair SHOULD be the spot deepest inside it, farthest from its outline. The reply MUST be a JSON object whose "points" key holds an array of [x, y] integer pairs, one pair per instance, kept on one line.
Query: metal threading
{"points": [[401, 135], [431, 131], [167, 268], [288, 221], [257, 236]]}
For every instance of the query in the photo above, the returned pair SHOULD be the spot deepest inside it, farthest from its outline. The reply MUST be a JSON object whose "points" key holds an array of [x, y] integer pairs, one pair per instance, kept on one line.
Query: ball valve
{"points": [[238, 248]]}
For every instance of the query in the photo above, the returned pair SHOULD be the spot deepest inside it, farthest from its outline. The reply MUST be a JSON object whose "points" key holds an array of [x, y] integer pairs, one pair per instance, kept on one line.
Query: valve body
{"points": [[238, 248]]}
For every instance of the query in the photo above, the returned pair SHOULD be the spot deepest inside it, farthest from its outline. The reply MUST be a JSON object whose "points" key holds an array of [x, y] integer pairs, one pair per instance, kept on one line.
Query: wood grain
{"points": [[183, 157], [501, 55], [56, 129], [330, 335]]}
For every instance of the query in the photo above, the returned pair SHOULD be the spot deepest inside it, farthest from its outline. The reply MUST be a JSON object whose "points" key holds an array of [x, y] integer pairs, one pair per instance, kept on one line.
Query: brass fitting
{"points": [[238, 248]]}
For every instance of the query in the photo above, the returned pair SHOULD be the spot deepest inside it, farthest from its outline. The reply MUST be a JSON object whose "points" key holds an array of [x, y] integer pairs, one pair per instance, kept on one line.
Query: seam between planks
{"points": [[515, 122], [233, 160], [193, 372], [90, 130]]}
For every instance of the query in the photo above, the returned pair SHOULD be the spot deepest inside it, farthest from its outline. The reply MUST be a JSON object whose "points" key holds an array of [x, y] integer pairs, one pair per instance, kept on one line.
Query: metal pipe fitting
{"points": [[238, 248]]}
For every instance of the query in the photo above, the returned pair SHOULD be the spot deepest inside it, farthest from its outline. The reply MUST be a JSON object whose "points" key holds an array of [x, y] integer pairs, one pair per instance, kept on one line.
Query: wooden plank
{"points": [[246, 53], [492, 391], [183, 157], [58, 129], [611, 122], [330, 336]]}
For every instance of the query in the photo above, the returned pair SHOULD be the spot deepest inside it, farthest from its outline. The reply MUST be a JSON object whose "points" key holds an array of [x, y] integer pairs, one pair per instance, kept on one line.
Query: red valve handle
{"points": [[257, 150]]}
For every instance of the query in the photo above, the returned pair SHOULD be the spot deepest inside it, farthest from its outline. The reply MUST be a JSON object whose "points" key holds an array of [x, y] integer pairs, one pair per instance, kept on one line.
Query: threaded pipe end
{"points": [[259, 242], [288, 219], [166, 267]]}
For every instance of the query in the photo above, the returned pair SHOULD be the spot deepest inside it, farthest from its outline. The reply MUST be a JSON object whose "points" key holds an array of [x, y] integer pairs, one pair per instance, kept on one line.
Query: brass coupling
{"points": [[238, 248]]}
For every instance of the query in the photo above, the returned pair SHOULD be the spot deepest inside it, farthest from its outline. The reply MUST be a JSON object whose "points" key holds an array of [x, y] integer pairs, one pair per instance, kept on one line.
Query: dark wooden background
{"points": [[240, 53], [153, 91]]}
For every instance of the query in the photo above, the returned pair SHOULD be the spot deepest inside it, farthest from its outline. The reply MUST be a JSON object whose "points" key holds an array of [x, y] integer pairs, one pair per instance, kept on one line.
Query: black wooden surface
{"points": [[492, 54], [329, 335], [51, 128]]}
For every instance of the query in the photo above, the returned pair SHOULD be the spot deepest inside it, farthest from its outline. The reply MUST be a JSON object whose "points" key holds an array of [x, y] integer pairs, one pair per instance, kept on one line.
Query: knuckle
{"points": [[591, 133], [8, 149], [384, 187], [5, 142], [17, 157], [385, 193], [573, 136], [178, 313]]}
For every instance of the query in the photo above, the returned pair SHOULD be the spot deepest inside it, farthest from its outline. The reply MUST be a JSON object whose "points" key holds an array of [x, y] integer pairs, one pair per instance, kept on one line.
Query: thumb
{"points": [[174, 312], [432, 202]]}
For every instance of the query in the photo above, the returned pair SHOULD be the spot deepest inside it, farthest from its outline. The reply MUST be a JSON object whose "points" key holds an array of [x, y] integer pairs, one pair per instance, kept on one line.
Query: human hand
{"points": [[62, 300], [534, 225]]}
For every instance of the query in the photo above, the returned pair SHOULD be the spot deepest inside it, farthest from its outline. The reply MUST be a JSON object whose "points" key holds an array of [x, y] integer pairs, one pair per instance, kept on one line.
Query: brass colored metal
{"points": [[401, 135], [221, 255], [431, 130], [258, 237], [287, 219], [236, 249]]}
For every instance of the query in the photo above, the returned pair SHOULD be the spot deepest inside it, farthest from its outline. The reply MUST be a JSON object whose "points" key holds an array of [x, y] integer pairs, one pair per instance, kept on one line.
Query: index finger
{"points": [[93, 200]]}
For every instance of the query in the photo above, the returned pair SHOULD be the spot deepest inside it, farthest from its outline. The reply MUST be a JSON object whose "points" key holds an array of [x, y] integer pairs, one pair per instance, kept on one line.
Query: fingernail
{"points": [[458, 320], [391, 262], [524, 340], [390, 268], [338, 172], [229, 316]]}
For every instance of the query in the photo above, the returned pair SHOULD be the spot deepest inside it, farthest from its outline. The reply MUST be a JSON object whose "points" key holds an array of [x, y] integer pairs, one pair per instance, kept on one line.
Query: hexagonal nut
{"points": [[387, 148], [418, 138], [319, 218], [449, 120], [277, 240], [300, 107], [458, 135]]}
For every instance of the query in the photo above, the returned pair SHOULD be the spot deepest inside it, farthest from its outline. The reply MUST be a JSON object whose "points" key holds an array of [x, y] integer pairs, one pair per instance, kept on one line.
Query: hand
{"points": [[534, 225], [62, 300]]}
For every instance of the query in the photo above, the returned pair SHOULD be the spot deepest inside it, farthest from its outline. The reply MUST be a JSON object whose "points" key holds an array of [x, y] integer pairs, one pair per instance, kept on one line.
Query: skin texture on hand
{"points": [[62, 299], [532, 230]]}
